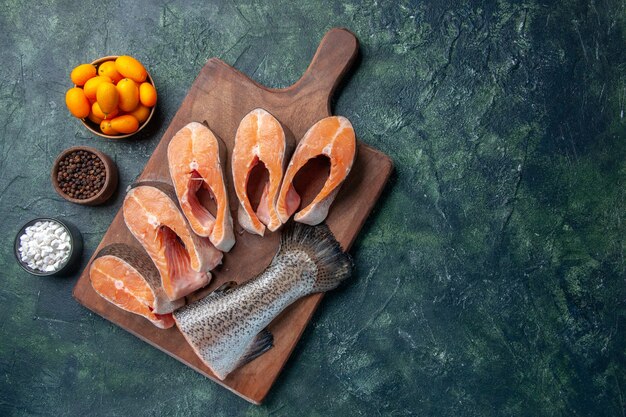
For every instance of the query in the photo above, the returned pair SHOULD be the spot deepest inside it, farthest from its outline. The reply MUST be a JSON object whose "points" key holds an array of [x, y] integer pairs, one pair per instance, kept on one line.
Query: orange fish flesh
{"points": [[196, 160], [126, 277], [332, 137], [260, 139], [182, 258]]}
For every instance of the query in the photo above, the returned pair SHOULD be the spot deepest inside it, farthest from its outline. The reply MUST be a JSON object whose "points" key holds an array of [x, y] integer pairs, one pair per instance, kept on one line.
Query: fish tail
{"points": [[333, 264]]}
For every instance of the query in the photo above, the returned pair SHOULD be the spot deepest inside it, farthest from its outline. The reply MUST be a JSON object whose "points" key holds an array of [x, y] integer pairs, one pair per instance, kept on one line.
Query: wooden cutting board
{"points": [[222, 96]]}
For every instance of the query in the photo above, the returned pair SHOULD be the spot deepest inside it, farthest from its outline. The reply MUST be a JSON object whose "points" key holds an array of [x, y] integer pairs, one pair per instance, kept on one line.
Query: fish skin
{"points": [[222, 328]]}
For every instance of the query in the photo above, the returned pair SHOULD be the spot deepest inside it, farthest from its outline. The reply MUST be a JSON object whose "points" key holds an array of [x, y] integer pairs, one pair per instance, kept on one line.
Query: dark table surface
{"points": [[490, 280]]}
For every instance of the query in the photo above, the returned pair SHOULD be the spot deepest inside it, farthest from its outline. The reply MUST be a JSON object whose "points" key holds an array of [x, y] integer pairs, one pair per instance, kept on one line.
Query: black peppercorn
{"points": [[81, 175]]}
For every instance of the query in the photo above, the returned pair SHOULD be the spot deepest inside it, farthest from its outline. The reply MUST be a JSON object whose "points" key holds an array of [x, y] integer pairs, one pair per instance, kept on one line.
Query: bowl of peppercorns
{"points": [[84, 175]]}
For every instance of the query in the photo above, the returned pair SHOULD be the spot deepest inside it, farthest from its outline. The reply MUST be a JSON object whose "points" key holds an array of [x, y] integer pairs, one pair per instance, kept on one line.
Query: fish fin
{"points": [[263, 342], [333, 265], [226, 287]]}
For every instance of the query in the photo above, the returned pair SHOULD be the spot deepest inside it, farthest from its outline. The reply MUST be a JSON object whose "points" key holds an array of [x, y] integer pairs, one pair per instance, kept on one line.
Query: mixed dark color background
{"points": [[490, 279]]}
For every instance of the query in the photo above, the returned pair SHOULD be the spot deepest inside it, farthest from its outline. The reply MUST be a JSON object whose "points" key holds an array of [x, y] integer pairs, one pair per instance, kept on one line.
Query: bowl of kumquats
{"points": [[114, 96]]}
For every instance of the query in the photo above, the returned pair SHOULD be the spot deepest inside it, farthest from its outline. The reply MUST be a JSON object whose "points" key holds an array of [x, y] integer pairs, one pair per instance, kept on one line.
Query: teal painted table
{"points": [[490, 279]]}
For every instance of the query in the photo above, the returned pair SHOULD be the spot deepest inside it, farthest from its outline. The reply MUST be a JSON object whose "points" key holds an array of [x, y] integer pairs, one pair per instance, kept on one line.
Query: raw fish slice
{"points": [[182, 258], [334, 138], [196, 160], [260, 138], [226, 329], [126, 277]]}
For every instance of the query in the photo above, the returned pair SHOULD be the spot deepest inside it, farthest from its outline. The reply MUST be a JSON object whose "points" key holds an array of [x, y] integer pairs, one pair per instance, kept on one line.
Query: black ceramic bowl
{"points": [[76, 248]]}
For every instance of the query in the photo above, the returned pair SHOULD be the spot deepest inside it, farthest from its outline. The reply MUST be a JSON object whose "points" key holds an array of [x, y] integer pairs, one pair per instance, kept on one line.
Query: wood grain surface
{"points": [[222, 96]]}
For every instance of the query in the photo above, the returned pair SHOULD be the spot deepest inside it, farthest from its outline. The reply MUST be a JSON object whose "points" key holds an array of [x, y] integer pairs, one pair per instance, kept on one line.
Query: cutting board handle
{"points": [[334, 56]]}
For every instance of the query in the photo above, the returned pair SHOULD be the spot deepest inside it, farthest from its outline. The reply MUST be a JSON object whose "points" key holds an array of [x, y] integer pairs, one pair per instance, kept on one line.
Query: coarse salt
{"points": [[44, 246]]}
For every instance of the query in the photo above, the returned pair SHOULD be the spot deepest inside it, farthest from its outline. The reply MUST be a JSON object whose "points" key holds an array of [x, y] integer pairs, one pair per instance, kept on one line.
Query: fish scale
{"points": [[226, 328]]}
